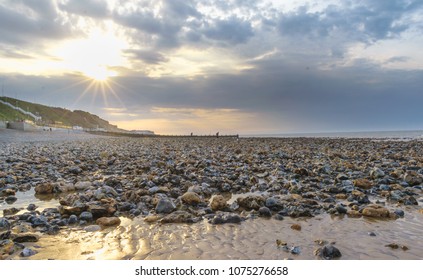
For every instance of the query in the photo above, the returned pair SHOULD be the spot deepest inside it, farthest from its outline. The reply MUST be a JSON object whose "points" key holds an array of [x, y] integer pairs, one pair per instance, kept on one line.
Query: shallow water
{"points": [[252, 239]]}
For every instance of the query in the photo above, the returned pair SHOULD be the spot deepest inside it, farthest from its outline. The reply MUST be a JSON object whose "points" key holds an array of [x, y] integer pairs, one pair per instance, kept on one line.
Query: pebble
{"points": [[218, 202], [11, 199], [328, 252], [86, 216], [296, 227], [45, 188], [27, 252], [92, 228], [179, 217], [26, 237], [295, 250], [224, 218], [108, 221], [363, 184], [73, 219], [265, 212], [400, 213], [31, 207], [376, 211], [191, 198], [175, 178], [165, 206]]}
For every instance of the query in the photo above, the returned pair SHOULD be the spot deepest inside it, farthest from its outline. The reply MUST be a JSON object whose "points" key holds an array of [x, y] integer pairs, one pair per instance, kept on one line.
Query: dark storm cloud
{"points": [[90, 8], [17, 27]]}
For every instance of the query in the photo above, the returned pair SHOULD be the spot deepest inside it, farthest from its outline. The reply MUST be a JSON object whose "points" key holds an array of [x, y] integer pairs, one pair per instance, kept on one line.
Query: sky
{"points": [[228, 66]]}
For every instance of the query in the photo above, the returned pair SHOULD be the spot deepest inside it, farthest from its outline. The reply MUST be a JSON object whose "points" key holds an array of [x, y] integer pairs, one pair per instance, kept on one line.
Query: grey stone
{"points": [[86, 216], [73, 219], [27, 252], [165, 206], [328, 252]]}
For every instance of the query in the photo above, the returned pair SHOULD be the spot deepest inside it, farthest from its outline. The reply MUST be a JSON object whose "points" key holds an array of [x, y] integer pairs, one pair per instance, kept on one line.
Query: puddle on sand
{"points": [[27, 197], [252, 239]]}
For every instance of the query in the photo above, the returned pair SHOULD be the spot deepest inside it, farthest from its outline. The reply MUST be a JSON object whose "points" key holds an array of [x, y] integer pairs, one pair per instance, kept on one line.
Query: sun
{"points": [[94, 55], [98, 73]]}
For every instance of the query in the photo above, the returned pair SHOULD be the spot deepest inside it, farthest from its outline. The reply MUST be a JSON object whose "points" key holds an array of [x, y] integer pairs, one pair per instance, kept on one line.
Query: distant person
{"points": [[217, 134]]}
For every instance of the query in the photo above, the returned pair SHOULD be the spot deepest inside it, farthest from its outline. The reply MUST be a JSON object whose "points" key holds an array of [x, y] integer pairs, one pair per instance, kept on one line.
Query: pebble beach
{"points": [[81, 196]]}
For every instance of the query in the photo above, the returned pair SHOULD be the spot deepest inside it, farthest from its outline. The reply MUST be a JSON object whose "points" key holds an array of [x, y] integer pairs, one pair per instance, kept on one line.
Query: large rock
{"points": [[108, 221], [218, 202], [363, 184], [191, 198], [165, 206], [45, 188], [376, 211]]}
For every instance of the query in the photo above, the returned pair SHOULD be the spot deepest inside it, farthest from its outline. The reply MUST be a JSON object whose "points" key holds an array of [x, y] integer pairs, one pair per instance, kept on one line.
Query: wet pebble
{"points": [[27, 252], [86, 216], [328, 252]]}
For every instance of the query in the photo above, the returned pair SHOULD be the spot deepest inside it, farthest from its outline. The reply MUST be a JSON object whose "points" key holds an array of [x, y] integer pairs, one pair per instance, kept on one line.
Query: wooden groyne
{"points": [[136, 135]]}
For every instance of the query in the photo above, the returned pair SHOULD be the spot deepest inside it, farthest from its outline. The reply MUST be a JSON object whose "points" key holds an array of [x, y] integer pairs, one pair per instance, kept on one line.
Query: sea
{"points": [[401, 135]]}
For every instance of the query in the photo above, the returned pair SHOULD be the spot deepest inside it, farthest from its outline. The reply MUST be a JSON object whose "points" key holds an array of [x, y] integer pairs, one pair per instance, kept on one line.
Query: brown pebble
{"points": [[296, 227], [392, 245], [320, 242], [404, 248], [280, 243]]}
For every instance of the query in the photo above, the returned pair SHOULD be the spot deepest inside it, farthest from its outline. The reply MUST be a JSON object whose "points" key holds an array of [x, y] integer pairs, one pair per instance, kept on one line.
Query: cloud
{"points": [[23, 22], [232, 31], [90, 8], [244, 65], [147, 56]]}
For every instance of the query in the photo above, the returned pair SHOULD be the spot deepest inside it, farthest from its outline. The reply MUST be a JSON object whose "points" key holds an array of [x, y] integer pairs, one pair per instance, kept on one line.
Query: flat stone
{"points": [[108, 221], [92, 228], [179, 217], [376, 211], [363, 184], [26, 237]]}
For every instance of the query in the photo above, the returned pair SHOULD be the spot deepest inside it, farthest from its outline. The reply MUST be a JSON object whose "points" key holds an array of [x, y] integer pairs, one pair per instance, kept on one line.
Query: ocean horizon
{"points": [[399, 134]]}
